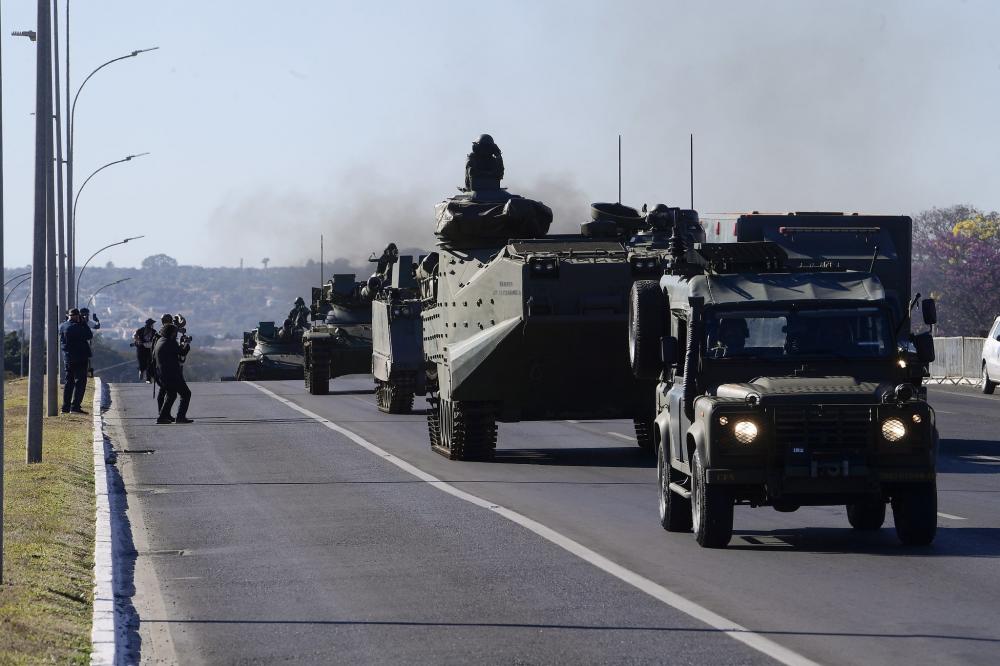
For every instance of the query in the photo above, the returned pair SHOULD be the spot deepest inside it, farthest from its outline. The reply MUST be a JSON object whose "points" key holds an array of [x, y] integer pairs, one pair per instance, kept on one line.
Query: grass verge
{"points": [[46, 598]]}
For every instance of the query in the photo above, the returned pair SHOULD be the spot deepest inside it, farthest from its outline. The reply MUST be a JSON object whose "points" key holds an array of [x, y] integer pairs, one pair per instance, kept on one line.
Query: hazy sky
{"points": [[272, 122]]}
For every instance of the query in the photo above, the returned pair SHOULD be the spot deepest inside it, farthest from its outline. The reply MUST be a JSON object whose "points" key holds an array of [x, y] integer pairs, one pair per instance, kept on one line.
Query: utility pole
{"points": [[3, 387], [43, 157], [60, 210], [51, 260], [70, 229]]}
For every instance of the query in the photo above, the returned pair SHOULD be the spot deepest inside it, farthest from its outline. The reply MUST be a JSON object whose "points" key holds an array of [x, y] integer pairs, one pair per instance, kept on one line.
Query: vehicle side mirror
{"points": [[668, 351], [929, 309], [924, 342]]}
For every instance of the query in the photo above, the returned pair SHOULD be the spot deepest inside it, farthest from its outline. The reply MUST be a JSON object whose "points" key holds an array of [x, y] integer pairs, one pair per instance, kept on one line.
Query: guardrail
{"points": [[958, 360]]}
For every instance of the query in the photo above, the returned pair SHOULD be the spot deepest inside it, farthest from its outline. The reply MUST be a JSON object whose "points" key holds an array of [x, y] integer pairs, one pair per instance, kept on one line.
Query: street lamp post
{"points": [[72, 210], [12, 290], [70, 132], [110, 284], [80, 275], [16, 276]]}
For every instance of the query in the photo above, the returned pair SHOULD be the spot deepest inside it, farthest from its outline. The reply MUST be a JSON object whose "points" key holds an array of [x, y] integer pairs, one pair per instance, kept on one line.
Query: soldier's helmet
{"points": [[150, 321], [300, 301], [167, 318]]}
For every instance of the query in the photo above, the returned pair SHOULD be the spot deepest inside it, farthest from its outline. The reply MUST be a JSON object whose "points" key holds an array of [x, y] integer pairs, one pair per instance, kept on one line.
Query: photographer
{"points": [[74, 339], [170, 373], [142, 340]]}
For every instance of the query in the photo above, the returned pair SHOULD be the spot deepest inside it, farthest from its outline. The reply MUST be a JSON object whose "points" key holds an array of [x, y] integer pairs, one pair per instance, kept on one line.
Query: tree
{"points": [[956, 260], [159, 261]]}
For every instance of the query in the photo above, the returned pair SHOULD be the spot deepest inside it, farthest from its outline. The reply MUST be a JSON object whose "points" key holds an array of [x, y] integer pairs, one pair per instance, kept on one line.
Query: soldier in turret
{"points": [[484, 165], [299, 314]]}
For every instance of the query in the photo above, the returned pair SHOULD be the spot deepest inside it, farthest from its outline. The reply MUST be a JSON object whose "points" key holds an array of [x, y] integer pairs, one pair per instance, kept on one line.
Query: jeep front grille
{"points": [[822, 429]]}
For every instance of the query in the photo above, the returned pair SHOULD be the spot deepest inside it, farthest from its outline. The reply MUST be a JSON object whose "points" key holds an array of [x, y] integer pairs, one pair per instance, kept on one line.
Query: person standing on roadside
{"points": [[167, 353], [142, 339], [74, 340]]}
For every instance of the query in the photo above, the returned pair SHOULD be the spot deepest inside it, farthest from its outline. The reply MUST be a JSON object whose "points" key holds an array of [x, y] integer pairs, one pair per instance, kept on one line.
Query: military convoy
{"points": [[339, 340], [774, 366], [270, 352], [787, 375]]}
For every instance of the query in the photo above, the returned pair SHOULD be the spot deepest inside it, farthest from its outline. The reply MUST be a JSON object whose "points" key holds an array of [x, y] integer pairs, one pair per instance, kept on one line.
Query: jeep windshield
{"points": [[798, 333]]}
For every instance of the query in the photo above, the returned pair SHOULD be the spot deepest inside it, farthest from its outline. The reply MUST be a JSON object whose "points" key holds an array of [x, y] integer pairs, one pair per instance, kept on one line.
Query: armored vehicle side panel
{"points": [[397, 362], [531, 331]]}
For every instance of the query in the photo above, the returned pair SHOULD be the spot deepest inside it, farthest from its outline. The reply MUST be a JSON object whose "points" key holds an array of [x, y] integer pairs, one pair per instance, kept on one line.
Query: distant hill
{"points": [[218, 302]]}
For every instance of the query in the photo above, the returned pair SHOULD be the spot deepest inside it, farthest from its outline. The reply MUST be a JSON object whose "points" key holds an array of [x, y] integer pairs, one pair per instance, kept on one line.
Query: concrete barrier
{"points": [[958, 360]]}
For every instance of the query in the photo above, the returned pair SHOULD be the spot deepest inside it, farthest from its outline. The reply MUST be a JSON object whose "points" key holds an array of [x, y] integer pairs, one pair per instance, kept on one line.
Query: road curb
{"points": [[103, 634]]}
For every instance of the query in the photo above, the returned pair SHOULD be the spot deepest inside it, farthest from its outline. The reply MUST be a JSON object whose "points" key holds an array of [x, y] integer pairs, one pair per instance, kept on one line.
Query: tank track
{"points": [[316, 372], [465, 430], [394, 397]]}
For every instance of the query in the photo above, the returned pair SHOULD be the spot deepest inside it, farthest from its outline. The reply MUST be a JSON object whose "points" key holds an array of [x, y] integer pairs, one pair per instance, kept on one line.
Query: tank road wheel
{"points": [[393, 399], [986, 384], [869, 515], [711, 509], [675, 511], [316, 371], [646, 325], [468, 430], [914, 511]]}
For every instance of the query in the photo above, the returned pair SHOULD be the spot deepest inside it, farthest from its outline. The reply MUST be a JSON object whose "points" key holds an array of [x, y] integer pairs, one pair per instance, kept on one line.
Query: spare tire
{"points": [[647, 323]]}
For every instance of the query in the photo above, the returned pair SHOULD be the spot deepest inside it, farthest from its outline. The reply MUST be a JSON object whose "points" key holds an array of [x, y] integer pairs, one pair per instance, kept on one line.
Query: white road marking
{"points": [[621, 436], [949, 516], [571, 421], [984, 458], [653, 589]]}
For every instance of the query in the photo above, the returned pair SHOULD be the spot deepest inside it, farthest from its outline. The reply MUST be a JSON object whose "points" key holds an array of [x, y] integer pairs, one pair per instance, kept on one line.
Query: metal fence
{"points": [[958, 360]]}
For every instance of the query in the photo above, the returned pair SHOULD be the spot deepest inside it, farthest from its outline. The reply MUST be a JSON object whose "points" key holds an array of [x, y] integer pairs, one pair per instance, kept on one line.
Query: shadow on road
{"points": [[614, 456], [969, 456], [950, 542]]}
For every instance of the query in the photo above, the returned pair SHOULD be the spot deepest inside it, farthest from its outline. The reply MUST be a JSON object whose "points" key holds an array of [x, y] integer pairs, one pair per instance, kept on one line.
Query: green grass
{"points": [[46, 598]]}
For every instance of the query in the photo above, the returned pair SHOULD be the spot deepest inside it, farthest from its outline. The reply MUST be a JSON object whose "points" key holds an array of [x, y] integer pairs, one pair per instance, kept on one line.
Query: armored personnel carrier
{"points": [[270, 352], [397, 333], [788, 375], [339, 340], [519, 325]]}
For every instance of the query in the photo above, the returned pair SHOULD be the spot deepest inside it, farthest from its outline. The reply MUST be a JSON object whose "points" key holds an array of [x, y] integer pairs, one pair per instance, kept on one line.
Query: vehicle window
{"points": [[800, 332], [995, 333]]}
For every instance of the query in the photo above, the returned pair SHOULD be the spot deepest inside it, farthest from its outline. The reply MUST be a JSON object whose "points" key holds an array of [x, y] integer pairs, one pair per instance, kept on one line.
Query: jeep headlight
{"points": [[745, 431], [893, 430]]}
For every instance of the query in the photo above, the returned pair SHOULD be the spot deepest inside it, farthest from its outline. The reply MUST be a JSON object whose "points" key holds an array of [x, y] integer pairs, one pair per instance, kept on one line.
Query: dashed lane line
{"points": [[950, 516], [732, 629]]}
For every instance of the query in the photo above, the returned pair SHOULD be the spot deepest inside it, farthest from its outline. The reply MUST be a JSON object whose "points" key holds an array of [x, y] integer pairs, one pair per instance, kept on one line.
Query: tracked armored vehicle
{"points": [[397, 334], [270, 354], [519, 325], [339, 341], [788, 375]]}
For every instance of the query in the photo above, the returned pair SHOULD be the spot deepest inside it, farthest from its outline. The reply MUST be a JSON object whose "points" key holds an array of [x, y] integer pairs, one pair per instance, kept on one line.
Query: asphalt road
{"points": [[263, 535]]}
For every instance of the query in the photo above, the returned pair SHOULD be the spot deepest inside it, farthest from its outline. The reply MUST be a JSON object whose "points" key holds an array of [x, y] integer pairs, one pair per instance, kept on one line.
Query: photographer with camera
{"points": [[142, 340], [170, 374]]}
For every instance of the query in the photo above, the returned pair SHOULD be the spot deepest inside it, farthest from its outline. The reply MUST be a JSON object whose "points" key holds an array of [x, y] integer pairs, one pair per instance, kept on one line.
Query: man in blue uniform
{"points": [[74, 339]]}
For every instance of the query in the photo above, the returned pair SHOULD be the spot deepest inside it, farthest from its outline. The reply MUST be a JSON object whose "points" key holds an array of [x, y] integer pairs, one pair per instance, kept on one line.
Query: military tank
{"points": [[519, 325], [270, 352], [397, 333], [339, 340]]}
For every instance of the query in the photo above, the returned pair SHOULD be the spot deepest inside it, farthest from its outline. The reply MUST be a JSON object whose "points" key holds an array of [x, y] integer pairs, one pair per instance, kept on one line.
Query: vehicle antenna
{"points": [[874, 257], [691, 164], [321, 259], [619, 168]]}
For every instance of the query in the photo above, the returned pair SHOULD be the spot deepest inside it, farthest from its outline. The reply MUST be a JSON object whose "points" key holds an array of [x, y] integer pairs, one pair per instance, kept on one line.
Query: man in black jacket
{"points": [[167, 353], [74, 339]]}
